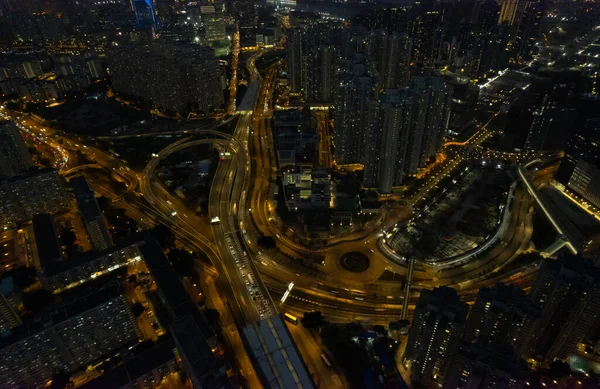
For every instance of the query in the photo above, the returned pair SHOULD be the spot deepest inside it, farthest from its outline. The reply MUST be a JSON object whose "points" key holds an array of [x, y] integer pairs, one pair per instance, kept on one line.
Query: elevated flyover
{"points": [[563, 238]]}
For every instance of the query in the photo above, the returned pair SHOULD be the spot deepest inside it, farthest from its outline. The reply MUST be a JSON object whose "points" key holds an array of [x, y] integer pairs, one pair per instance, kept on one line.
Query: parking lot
{"points": [[459, 218]]}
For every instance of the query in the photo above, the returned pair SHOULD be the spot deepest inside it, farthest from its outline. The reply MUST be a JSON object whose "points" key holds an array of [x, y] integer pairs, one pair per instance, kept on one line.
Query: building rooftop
{"points": [[132, 369], [57, 314], [54, 268], [29, 174], [276, 355], [168, 282], [48, 247], [86, 201], [197, 354], [80, 186]]}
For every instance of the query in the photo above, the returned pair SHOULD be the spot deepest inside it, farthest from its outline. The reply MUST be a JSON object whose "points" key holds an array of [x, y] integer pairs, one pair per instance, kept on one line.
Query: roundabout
{"points": [[355, 262]]}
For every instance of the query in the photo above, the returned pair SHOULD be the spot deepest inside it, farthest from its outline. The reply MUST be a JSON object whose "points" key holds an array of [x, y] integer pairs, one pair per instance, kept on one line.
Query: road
{"points": [[311, 350], [340, 299]]}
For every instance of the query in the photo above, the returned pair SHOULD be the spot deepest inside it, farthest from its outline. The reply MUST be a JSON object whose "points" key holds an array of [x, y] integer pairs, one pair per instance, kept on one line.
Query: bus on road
{"points": [[291, 318]]}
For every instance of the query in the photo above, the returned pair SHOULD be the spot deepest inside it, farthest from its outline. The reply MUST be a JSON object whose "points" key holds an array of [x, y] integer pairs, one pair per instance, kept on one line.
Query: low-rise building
{"points": [[33, 193], [10, 299], [64, 274], [90, 213], [67, 337], [306, 188]]}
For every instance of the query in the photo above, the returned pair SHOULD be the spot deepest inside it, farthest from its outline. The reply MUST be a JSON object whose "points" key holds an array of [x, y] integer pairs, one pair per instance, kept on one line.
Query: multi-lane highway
{"points": [[253, 276]]}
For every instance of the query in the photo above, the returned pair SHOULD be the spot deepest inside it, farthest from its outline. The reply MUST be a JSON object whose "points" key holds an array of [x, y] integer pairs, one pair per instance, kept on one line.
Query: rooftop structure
{"points": [[306, 189], [276, 356]]}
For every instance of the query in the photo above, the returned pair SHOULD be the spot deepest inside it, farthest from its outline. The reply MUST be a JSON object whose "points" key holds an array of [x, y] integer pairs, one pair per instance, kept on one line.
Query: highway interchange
{"points": [[240, 200], [378, 301]]}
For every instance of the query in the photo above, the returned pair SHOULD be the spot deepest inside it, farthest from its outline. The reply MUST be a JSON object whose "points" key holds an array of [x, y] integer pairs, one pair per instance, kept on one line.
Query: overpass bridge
{"points": [[563, 239]]}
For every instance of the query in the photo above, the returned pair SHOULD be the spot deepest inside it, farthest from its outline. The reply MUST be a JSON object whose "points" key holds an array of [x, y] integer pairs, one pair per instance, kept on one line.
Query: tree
{"points": [[137, 309], [380, 329], [212, 317], [560, 369], [266, 242], [132, 279], [37, 300], [24, 276], [183, 262], [61, 379], [68, 238], [103, 202], [314, 319], [163, 235]]}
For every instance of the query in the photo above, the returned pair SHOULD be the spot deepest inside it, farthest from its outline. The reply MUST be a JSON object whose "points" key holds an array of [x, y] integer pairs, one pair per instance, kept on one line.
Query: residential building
{"points": [[432, 110], [296, 141], [554, 118], [434, 335], [354, 91], [177, 301], [567, 291], [501, 315], [14, 156], [178, 77], [294, 59], [579, 167], [91, 214], [425, 31], [46, 242], [508, 11], [61, 274], [68, 337], [144, 370], [10, 299], [386, 140], [395, 67], [312, 61], [531, 18], [36, 192], [486, 367], [201, 366]]}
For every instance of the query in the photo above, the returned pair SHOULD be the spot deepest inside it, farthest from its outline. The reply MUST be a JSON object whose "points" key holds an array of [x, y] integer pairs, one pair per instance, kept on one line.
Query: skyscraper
{"points": [[386, 139], [502, 315], [529, 24], [14, 156], [434, 335], [312, 61], [424, 30], [486, 367], [432, 112], [567, 291], [294, 59], [144, 13], [480, 37], [91, 214], [508, 11], [579, 167], [554, 118], [389, 54], [214, 22], [354, 91]]}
